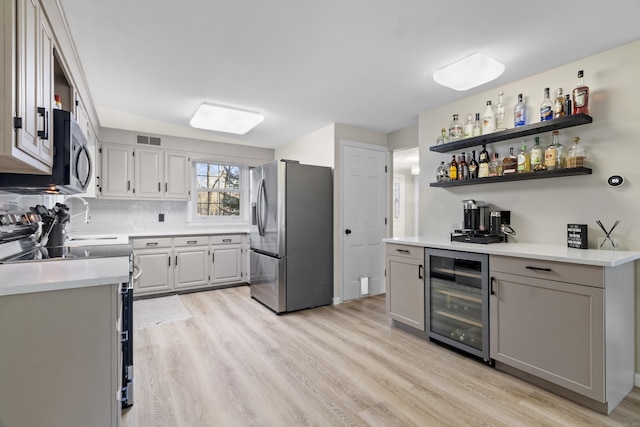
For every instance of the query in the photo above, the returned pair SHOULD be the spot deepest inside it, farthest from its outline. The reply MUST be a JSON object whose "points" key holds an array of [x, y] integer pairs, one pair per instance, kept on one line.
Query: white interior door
{"points": [[364, 219]]}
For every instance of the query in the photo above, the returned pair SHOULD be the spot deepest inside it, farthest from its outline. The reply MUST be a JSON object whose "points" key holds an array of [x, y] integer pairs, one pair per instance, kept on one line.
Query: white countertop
{"points": [[527, 250], [29, 277], [81, 239]]}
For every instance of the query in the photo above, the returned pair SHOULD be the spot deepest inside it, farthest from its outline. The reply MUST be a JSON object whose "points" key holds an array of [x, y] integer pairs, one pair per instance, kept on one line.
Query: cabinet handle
{"points": [[537, 268], [420, 273], [128, 185], [159, 187], [176, 260], [403, 251], [44, 134], [166, 186], [491, 289], [152, 244], [169, 261], [192, 242], [213, 257], [226, 240]]}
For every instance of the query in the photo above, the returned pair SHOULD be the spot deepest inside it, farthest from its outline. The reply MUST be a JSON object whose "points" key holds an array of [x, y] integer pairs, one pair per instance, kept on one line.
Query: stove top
{"points": [[25, 251]]}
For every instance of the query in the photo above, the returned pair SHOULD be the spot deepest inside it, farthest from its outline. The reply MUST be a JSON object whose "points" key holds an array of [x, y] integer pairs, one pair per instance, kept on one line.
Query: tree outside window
{"points": [[218, 189]]}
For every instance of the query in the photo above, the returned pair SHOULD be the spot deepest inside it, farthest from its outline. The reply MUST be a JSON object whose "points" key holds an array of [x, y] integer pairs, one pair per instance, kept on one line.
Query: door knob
{"points": [[347, 231]]}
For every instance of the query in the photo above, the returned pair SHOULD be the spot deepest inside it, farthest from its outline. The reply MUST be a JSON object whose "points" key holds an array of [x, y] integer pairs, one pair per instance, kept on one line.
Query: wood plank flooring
{"points": [[235, 363]]}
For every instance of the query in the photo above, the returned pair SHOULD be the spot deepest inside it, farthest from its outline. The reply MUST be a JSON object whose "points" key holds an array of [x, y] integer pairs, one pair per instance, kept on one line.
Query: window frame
{"points": [[243, 190]]}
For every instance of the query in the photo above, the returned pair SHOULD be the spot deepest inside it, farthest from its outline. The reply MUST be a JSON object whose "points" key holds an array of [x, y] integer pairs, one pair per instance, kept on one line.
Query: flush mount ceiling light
{"points": [[469, 72], [225, 119]]}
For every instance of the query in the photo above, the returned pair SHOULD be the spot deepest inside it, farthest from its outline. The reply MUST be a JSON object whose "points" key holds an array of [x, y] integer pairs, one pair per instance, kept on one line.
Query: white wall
{"points": [[541, 209], [316, 148]]}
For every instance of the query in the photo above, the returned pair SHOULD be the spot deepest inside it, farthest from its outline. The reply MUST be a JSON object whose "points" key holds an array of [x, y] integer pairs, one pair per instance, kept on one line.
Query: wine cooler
{"points": [[457, 300]]}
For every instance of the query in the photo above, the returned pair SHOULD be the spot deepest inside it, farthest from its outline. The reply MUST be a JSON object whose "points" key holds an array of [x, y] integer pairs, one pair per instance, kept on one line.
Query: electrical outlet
{"points": [[160, 217]]}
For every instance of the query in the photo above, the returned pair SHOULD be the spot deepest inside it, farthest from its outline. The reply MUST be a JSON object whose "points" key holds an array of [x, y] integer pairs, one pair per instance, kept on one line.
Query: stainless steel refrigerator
{"points": [[291, 235]]}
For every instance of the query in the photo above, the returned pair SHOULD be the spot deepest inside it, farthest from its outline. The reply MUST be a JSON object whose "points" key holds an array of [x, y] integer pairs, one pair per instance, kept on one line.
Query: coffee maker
{"points": [[482, 224]]}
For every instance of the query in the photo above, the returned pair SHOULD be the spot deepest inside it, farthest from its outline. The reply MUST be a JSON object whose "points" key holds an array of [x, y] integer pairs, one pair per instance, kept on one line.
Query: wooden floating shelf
{"points": [[519, 132], [515, 177]]}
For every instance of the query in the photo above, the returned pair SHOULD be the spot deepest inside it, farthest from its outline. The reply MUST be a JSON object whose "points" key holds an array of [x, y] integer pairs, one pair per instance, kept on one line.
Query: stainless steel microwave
{"points": [[72, 166]]}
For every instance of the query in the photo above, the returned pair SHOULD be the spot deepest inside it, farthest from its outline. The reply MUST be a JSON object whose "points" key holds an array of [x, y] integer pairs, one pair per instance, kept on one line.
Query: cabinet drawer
{"points": [[148, 243], [408, 251], [588, 275], [225, 239], [191, 241]]}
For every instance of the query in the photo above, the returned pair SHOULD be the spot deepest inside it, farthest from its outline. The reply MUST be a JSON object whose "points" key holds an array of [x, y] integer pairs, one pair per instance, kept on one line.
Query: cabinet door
{"points": [[148, 174], [177, 176], [405, 290], [45, 90], [549, 329], [115, 178], [226, 264], [156, 265], [191, 267]]}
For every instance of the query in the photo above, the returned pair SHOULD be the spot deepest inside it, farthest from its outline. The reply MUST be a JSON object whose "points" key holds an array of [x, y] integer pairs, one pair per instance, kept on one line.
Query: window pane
{"points": [[218, 203]]}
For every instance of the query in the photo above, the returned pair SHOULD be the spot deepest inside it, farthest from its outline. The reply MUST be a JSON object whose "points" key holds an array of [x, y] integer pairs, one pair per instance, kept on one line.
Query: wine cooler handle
{"points": [[491, 290], [537, 268], [420, 273]]}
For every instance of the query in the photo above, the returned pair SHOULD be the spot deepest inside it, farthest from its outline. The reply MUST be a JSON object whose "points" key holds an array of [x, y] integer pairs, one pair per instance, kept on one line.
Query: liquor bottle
{"points": [[577, 155], [453, 169], [443, 138], [546, 108], [568, 105], [558, 105], [581, 96], [477, 126], [463, 168], [468, 127], [442, 173], [495, 166], [488, 120], [550, 153], [524, 160], [520, 113], [509, 163], [455, 129], [561, 154], [537, 157], [483, 167], [500, 125], [473, 166]]}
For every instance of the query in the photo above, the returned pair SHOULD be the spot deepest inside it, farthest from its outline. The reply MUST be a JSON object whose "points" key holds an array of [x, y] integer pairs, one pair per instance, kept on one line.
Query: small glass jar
{"points": [[577, 157], [442, 173]]}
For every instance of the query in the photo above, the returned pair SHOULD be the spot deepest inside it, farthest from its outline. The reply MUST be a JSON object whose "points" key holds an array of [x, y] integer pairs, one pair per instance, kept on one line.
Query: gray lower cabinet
{"points": [[405, 285], [568, 325]]}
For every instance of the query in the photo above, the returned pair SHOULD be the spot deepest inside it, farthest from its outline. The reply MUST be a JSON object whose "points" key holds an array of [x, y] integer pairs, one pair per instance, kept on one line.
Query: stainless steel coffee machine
{"points": [[482, 224]]}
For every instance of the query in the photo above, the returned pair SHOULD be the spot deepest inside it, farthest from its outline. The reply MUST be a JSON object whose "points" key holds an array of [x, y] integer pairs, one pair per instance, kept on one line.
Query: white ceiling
{"points": [[306, 64]]}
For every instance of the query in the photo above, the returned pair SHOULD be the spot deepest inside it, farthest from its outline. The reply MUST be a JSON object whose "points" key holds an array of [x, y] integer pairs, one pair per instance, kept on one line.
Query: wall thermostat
{"points": [[615, 180]]}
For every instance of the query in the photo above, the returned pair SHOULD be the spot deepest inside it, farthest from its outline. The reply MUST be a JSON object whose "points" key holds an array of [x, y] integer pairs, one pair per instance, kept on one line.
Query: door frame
{"points": [[340, 226]]}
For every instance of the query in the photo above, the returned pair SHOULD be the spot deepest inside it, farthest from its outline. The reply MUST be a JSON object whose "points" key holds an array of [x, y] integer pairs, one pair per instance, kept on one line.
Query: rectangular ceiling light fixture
{"points": [[469, 72], [225, 119]]}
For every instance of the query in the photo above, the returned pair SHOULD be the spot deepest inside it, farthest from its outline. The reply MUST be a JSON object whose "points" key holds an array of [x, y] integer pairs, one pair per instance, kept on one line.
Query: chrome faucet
{"points": [[87, 218]]}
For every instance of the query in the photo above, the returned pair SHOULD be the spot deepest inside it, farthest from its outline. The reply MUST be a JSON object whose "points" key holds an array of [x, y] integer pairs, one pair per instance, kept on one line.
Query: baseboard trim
{"points": [[336, 300], [637, 379]]}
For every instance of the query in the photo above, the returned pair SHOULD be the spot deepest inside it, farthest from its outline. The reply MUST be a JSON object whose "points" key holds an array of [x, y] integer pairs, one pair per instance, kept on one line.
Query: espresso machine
{"points": [[482, 224]]}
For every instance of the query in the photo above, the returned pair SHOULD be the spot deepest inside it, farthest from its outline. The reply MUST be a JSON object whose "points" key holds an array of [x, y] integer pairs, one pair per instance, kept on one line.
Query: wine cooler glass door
{"points": [[457, 300]]}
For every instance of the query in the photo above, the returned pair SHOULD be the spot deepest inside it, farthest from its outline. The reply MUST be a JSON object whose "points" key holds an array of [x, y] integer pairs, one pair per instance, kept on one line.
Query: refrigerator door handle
{"points": [[263, 210], [259, 207]]}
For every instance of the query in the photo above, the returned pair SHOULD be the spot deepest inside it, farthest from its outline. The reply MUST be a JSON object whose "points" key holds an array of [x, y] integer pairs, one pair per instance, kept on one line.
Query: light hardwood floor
{"points": [[235, 363]]}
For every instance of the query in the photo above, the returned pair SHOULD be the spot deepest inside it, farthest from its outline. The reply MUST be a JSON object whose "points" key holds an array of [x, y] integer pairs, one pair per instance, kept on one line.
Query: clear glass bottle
{"points": [[520, 113], [509, 163], [537, 156], [561, 154], [468, 127], [500, 124], [550, 159], [477, 126], [577, 157], [495, 166], [455, 129], [558, 105], [488, 120], [442, 173], [483, 162], [473, 166], [581, 96], [453, 168], [443, 138], [546, 108], [524, 159], [463, 168]]}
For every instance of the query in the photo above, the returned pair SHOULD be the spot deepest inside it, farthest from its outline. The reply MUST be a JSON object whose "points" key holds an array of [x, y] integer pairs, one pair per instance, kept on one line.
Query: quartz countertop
{"points": [[526, 250], [52, 275], [119, 238]]}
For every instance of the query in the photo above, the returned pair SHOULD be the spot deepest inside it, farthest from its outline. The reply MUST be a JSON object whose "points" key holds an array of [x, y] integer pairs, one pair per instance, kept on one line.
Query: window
{"points": [[218, 190]]}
